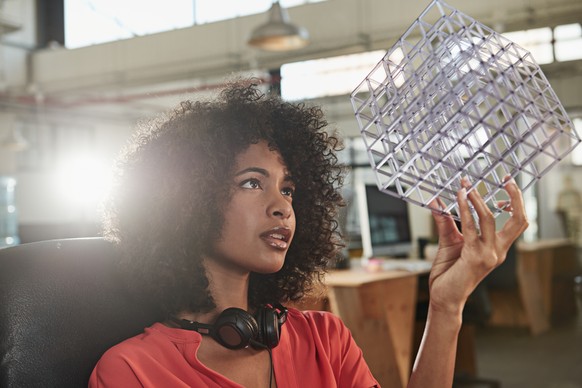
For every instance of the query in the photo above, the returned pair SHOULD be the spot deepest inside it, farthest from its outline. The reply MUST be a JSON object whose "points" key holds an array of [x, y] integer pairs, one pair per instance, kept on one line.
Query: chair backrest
{"points": [[62, 304]]}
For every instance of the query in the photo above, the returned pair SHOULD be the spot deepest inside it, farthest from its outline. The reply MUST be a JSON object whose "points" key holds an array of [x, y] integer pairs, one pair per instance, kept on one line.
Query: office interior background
{"points": [[77, 75]]}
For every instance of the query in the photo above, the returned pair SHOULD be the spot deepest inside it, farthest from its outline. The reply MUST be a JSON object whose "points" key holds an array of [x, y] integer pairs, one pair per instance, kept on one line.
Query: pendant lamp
{"points": [[278, 34]]}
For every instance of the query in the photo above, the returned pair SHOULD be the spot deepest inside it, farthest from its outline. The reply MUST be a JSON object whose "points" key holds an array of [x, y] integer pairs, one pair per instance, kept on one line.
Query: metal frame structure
{"points": [[453, 98]]}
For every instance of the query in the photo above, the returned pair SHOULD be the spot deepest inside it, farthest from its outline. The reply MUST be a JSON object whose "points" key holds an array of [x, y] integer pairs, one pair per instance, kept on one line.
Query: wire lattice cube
{"points": [[454, 98]]}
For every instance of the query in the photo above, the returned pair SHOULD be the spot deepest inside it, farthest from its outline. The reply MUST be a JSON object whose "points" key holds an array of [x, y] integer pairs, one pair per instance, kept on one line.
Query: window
{"points": [[326, 77], [563, 43], [207, 11], [568, 46], [537, 41], [339, 75], [90, 22]]}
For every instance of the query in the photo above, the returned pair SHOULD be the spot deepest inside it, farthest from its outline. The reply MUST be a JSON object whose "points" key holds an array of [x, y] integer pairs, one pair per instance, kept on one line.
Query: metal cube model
{"points": [[454, 98]]}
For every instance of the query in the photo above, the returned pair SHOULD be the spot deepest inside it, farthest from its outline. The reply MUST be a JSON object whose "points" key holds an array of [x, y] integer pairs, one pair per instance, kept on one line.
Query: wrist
{"points": [[451, 316]]}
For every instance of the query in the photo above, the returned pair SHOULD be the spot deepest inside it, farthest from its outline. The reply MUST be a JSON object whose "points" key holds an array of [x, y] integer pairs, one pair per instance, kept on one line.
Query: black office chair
{"points": [[62, 304]]}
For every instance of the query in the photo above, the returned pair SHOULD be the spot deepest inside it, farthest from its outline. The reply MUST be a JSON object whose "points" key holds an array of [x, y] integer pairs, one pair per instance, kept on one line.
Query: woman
{"points": [[225, 209]]}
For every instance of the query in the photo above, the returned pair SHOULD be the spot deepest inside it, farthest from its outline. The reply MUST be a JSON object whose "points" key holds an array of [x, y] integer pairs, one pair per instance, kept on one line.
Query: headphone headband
{"points": [[186, 324], [281, 312]]}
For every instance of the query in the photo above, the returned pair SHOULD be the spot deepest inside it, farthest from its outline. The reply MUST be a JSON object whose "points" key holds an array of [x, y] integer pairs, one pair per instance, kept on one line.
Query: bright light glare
{"points": [[83, 180]]}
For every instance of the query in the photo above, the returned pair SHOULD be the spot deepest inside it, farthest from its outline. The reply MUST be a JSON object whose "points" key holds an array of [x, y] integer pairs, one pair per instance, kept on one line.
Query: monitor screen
{"points": [[385, 223]]}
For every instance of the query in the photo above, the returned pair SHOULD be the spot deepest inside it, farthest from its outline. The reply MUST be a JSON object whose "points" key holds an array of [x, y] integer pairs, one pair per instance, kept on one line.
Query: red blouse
{"points": [[315, 350]]}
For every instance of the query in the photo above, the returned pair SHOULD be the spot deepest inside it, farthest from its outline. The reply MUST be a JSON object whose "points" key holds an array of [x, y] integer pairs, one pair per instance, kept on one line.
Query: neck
{"points": [[228, 289]]}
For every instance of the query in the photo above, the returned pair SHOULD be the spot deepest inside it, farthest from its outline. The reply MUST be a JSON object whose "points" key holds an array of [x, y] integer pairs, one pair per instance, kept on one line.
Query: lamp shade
{"points": [[278, 34]]}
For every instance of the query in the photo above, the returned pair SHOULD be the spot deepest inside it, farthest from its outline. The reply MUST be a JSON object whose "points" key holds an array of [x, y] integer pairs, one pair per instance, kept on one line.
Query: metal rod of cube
{"points": [[454, 98]]}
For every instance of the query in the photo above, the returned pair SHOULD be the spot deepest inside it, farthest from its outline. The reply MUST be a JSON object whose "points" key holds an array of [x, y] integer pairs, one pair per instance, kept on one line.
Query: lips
{"points": [[277, 237]]}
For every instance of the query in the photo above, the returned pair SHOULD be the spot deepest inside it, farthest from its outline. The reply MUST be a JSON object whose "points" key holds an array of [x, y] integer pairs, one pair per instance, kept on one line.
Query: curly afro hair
{"points": [[172, 180]]}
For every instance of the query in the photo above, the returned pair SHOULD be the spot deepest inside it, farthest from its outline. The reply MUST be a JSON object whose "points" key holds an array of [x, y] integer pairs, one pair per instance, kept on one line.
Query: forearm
{"points": [[435, 362], [462, 261]]}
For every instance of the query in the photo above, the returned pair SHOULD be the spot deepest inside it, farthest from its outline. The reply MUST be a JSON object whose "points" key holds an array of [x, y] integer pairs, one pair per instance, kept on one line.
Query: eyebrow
{"points": [[261, 171]]}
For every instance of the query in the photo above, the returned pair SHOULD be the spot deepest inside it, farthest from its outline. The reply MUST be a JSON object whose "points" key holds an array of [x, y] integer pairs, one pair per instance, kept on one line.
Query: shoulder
{"points": [[320, 320], [144, 352], [151, 341], [115, 365], [321, 326]]}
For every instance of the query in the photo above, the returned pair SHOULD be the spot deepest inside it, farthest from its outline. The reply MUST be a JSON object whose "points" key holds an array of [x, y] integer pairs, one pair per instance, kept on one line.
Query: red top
{"points": [[315, 350]]}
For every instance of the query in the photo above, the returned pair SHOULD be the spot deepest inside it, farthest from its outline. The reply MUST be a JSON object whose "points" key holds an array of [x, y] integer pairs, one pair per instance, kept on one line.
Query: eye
{"points": [[251, 183], [288, 191]]}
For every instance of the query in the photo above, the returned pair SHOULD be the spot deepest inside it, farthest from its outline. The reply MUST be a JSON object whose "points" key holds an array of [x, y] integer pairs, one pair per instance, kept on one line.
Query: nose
{"points": [[280, 207]]}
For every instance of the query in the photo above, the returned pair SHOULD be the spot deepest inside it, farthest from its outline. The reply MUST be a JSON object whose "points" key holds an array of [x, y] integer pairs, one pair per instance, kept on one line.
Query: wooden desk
{"points": [[379, 309], [544, 292]]}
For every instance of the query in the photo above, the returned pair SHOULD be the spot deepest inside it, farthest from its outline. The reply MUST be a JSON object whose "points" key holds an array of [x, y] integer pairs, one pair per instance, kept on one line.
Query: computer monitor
{"points": [[385, 224]]}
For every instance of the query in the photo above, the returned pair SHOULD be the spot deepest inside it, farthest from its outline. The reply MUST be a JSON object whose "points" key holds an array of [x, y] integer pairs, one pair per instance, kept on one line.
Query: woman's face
{"points": [[259, 221]]}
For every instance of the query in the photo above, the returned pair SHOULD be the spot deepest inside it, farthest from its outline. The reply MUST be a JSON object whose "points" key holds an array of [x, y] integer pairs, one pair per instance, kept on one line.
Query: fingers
{"points": [[444, 222], [505, 206], [518, 221], [466, 197], [486, 219]]}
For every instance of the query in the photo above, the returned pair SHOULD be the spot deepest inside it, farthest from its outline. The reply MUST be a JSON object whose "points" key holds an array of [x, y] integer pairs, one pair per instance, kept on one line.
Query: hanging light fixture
{"points": [[278, 34]]}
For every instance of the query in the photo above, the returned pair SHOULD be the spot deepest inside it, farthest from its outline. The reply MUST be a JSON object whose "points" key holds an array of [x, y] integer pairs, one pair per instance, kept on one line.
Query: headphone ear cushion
{"points": [[268, 321], [235, 328]]}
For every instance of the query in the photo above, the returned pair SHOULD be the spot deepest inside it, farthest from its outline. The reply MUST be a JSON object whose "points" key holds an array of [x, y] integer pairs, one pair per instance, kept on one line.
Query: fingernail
{"points": [[465, 182]]}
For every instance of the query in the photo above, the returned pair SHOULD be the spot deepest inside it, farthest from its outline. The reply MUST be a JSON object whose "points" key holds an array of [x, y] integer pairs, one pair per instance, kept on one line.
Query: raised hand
{"points": [[463, 260]]}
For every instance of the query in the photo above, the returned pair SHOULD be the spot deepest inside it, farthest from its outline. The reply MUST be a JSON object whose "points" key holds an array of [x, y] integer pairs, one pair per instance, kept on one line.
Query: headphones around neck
{"points": [[237, 329]]}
